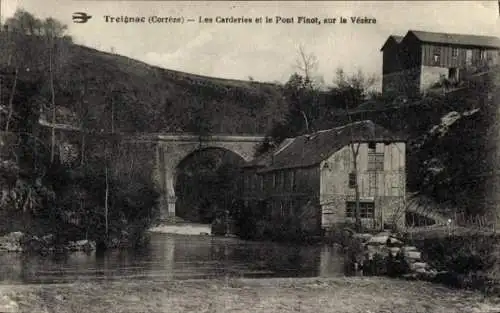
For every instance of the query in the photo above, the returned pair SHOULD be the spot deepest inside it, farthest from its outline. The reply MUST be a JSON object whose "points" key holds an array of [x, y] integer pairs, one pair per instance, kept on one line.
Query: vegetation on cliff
{"points": [[46, 189], [450, 133], [46, 76]]}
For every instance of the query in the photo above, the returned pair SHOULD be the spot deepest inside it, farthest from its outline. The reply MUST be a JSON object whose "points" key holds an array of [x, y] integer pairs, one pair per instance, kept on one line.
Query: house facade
{"points": [[415, 62], [311, 178]]}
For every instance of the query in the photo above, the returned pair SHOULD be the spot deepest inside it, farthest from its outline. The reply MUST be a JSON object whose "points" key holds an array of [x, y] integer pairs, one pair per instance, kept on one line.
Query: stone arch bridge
{"points": [[172, 149]]}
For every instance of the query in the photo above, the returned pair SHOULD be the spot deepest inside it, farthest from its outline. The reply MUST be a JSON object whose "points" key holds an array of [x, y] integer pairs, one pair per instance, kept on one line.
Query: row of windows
{"points": [[282, 180], [468, 55], [454, 52], [253, 182], [285, 208], [366, 209], [375, 161]]}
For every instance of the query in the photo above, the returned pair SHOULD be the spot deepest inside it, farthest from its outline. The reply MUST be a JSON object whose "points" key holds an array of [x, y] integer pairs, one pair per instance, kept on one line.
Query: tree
{"points": [[25, 26], [24, 22], [349, 92], [307, 63]]}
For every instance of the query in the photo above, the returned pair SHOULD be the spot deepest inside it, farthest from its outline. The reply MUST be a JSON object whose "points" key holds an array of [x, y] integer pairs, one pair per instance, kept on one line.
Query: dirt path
{"points": [[342, 295]]}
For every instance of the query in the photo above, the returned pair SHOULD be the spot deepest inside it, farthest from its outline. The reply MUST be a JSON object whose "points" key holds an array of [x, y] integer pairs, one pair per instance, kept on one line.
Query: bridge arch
{"points": [[173, 149], [205, 182]]}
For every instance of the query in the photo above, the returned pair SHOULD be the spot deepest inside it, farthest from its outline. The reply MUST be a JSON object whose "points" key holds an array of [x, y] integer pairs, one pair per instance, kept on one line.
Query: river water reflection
{"points": [[170, 257]]}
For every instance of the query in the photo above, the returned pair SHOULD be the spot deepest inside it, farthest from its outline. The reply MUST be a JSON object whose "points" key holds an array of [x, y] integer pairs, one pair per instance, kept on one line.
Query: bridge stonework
{"points": [[172, 149]]}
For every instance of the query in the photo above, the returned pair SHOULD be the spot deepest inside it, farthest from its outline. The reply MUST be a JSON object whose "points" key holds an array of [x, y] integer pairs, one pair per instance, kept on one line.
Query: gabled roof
{"points": [[456, 39], [392, 39], [266, 158], [309, 150]]}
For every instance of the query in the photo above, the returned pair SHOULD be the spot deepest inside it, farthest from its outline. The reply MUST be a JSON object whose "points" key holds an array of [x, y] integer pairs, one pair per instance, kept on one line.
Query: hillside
{"points": [[452, 143], [96, 86]]}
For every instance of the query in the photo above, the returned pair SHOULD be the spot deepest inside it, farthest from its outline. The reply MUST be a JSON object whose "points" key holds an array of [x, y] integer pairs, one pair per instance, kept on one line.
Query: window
{"points": [[453, 74], [468, 57], [372, 183], [286, 181], [454, 52], [437, 55], [484, 54], [352, 180], [255, 180], [375, 161], [371, 146], [293, 180], [246, 182], [274, 180], [366, 209]]}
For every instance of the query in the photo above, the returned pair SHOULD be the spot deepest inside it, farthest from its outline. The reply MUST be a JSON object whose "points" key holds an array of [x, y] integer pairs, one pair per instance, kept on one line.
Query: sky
{"points": [[265, 52]]}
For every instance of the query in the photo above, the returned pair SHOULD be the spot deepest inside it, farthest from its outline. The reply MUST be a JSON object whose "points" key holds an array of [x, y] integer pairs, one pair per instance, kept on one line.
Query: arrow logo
{"points": [[81, 17]]}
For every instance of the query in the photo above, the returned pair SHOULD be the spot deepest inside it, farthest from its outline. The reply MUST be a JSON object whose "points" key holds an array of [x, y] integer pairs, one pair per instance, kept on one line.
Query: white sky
{"points": [[265, 52]]}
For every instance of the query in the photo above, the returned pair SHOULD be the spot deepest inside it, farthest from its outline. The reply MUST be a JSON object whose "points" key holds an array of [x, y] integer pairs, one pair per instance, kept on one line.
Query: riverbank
{"points": [[182, 229], [346, 295]]}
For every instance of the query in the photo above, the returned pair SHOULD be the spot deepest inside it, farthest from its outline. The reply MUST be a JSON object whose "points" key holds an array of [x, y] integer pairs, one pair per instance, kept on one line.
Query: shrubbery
{"points": [[470, 260], [461, 254]]}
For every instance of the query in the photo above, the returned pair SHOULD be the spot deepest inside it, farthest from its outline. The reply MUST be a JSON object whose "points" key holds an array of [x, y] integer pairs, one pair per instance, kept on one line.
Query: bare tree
{"points": [[25, 25], [355, 153], [53, 103], [11, 100], [352, 91], [106, 200], [307, 63]]}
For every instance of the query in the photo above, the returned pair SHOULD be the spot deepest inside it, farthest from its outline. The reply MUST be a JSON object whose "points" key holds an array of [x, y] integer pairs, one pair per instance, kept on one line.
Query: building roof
{"points": [[392, 38], [447, 38], [311, 149], [266, 158], [456, 39]]}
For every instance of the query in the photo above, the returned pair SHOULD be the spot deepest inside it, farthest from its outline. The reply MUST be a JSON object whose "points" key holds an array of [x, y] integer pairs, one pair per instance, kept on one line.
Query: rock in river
{"points": [[7, 305], [12, 242]]}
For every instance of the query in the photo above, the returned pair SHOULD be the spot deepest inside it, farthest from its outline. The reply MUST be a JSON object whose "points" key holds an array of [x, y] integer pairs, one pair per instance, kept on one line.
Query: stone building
{"points": [[415, 62], [312, 178]]}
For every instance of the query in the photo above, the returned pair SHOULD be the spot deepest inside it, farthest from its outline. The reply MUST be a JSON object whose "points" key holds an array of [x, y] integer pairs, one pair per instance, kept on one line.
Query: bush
{"points": [[75, 209], [461, 254]]}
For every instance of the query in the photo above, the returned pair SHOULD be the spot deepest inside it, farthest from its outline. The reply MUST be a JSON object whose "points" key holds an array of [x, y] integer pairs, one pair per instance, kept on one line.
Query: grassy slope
{"points": [[347, 295], [169, 100], [147, 98]]}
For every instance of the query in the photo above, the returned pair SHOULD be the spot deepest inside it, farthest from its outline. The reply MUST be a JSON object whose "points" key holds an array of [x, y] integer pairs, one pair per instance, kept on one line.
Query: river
{"points": [[174, 257]]}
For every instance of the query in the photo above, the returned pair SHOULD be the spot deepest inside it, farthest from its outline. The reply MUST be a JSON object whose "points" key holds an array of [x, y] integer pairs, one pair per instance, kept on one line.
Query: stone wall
{"points": [[431, 75], [388, 209], [404, 82]]}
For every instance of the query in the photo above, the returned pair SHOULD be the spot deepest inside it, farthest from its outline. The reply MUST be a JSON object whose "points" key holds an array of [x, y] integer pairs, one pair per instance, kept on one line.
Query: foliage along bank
{"points": [[61, 185]]}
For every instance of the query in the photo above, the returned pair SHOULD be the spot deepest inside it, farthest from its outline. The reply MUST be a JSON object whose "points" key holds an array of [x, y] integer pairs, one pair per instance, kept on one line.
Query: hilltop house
{"points": [[414, 63], [311, 178]]}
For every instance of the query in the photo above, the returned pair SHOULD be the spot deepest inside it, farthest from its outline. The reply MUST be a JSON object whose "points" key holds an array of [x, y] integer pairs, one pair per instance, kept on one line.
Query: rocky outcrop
{"points": [[81, 245], [7, 305], [385, 254], [19, 242], [12, 242]]}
